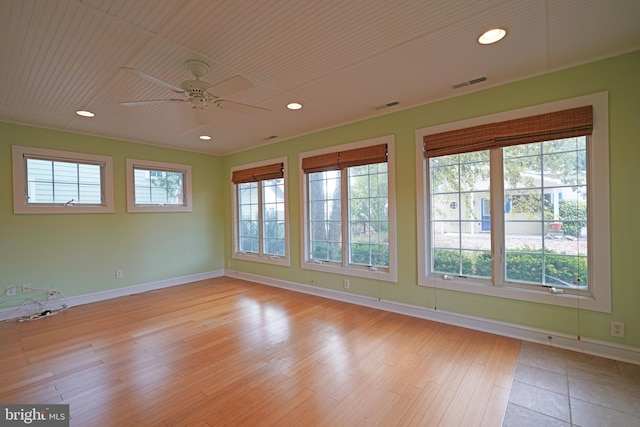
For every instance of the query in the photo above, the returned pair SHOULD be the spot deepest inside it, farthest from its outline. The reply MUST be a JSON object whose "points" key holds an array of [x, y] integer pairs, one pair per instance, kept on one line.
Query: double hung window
{"points": [[519, 208], [260, 212], [349, 209]]}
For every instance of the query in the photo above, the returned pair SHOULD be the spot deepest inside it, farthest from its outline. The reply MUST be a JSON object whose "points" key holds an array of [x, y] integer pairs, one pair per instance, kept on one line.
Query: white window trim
{"points": [[598, 213], [20, 205], [263, 258], [387, 275], [161, 166]]}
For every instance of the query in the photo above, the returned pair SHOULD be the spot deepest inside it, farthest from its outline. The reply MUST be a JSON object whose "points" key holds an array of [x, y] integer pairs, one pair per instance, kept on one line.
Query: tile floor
{"points": [[555, 387]]}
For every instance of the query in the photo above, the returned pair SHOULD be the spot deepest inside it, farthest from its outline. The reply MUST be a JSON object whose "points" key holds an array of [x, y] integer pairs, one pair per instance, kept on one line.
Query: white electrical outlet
{"points": [[617, 329], [26, 288], [345, 283], [119, 274], [11, 290]]}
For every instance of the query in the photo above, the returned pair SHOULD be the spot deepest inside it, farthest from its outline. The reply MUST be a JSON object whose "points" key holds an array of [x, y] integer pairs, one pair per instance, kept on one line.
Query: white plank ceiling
{"points": [[340, 59]]}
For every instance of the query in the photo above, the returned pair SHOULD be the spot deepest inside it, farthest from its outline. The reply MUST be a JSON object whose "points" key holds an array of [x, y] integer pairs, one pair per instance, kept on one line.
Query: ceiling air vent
{"points": [[383, 106], [470, 82]]}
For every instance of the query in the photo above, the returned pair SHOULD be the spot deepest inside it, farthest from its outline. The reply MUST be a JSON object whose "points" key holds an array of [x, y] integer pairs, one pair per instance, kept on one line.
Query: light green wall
{"points": [[618, 76], [78, 253]]}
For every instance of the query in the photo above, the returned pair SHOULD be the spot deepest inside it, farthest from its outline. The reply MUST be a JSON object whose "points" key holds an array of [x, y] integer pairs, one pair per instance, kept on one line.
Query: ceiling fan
{"points": [[198, 92]]}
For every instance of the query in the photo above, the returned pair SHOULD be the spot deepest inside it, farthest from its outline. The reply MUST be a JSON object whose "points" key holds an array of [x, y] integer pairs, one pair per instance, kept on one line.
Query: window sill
{"points": [[158, 208], [265, 259], [75, 209], [355, 271], [542, 296]]}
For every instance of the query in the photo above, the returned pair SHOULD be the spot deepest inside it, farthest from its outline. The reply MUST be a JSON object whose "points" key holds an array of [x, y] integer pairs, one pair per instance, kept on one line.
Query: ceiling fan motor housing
{"points": [[196, 91], [194, 86]]}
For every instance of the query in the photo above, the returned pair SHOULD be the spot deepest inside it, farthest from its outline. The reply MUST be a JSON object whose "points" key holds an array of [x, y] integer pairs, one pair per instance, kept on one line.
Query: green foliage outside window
{"points": [[573, 215], [523, 265]]}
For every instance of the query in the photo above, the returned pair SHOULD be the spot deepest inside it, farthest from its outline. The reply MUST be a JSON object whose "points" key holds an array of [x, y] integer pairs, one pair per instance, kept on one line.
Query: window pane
{"points": [[273, 216], [368, 207], [248, 226], [156, 187], [89, 184], [325, 225], [460, 214], [55, 182], [545, 213]]}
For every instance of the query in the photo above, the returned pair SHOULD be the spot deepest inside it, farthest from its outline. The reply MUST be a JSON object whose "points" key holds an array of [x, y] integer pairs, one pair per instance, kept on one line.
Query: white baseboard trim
{"points": [[585, 345], [9, 313]]}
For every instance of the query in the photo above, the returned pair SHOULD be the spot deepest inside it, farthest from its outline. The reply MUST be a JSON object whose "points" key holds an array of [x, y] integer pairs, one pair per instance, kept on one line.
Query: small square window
{"points": [[158, 186]]}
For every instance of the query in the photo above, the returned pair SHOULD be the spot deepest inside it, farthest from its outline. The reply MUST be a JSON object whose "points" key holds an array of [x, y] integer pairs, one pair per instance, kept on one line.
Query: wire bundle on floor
{"points": [[46, 303]]}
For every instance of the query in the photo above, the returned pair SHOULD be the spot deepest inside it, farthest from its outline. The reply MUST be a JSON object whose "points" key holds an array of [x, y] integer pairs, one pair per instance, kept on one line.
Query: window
{"points": [[261, 219], [349, 209], [512, 205], [51, 181], [158, 187]]}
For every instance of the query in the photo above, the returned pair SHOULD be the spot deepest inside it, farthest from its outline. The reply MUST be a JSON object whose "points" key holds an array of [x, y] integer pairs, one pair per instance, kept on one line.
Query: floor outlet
{"points": [[617, 329]]}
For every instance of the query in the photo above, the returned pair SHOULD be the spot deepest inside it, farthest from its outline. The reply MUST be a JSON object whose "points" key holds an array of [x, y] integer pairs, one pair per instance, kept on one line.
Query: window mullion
{"points": [[496, 194], [260, 219], [344, 203], [53, 182]]}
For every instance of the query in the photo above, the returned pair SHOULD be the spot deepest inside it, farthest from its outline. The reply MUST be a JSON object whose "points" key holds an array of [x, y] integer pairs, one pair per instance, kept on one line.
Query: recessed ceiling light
{"points": [[491, 36], [205, 137], [294, 106], [85, 113]]}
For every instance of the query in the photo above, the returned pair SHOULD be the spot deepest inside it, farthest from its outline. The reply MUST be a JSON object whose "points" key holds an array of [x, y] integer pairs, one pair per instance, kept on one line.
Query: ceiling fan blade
{"points": [[230, 86], [240, 108], [150, 102], [153, 79]]}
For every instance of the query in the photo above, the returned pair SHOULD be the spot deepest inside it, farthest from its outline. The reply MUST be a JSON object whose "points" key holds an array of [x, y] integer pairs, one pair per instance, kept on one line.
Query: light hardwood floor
{"points": [[230, 352]]}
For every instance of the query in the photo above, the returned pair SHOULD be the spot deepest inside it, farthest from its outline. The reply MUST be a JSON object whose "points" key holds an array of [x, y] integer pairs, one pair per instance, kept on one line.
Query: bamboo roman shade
{"points": [[345, 159], [543, 127], [259, 173]]}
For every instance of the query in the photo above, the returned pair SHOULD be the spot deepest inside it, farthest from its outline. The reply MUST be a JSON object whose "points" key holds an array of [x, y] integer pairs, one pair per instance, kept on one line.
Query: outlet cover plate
{"points": [[617, 329]]}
